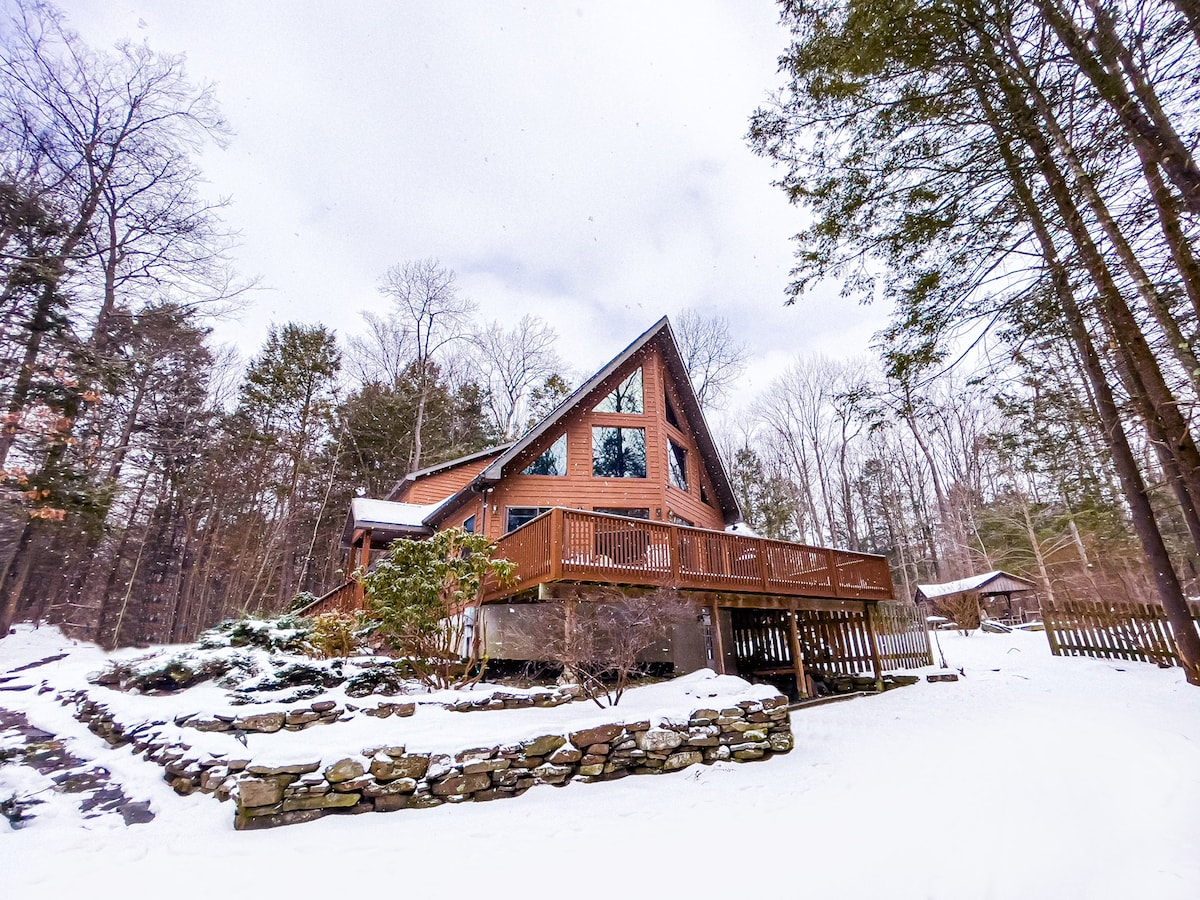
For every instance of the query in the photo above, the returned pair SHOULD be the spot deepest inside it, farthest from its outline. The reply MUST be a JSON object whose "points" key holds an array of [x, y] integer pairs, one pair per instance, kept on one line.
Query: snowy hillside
{"points": [[1031, 777]]}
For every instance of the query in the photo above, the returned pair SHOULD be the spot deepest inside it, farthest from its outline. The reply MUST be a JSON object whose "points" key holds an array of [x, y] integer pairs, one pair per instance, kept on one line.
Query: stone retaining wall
{"points": [[387, 778], [383, 779]]}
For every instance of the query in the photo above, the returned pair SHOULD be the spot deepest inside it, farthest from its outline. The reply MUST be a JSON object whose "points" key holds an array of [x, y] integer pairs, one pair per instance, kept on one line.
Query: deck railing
{"points": [[572, 545], [346, 597]]}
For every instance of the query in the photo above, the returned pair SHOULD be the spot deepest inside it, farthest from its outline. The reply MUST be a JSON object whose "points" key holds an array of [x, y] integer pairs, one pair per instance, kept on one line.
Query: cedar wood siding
{"points": [[441, 484], [580, 489]]}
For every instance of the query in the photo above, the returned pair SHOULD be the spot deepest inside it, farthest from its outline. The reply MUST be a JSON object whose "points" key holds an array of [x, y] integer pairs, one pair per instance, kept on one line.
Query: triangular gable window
{"points": [[626, 398], [552, 462]]}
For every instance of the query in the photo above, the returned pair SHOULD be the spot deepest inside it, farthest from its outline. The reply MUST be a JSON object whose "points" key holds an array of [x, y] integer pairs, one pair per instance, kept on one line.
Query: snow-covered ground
{"points": [[1032, 777]]}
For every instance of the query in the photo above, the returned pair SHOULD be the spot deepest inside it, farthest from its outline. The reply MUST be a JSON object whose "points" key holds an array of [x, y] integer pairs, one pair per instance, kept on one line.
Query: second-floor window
{"points": [[625, 398], [677, 465], [618, 452]]}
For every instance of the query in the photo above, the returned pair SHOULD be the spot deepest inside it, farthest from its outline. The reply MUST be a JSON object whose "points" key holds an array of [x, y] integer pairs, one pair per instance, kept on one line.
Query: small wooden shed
{"points": [[1001, 595]]}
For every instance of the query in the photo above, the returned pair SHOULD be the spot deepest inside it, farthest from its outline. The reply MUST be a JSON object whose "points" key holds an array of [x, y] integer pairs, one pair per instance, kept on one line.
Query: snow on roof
{"points": [[743, 529], [964, 584], [366, 513]]}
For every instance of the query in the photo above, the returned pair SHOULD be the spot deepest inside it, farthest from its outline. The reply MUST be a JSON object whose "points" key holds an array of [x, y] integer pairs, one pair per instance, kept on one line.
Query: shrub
{"points": [[159, 674], [961, 609], [599, 640], [421, 593], [333, 635], [286, 633]]}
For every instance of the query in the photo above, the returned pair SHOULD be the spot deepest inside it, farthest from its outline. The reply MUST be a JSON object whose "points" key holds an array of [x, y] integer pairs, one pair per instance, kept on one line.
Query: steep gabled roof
{"points": [[660, 333]]}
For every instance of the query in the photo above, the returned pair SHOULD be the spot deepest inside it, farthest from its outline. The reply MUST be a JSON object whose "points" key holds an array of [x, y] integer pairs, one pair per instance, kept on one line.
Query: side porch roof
{"points": [[387, 519]]}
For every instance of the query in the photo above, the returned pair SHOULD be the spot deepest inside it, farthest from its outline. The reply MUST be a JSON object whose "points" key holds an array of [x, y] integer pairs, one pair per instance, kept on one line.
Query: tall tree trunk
{"points": [[1169, 590], [1144, 123], [1152, 392], [39, 325], [1180, 348]]}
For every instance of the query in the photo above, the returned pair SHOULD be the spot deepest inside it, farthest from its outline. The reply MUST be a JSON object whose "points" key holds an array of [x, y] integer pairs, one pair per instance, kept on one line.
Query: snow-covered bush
{"points": [[163, 674], [285, 633]]}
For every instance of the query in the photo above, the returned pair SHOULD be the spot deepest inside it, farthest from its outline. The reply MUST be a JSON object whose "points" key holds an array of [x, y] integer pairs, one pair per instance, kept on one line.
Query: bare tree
{"points": [[517, 360], [103, 140], [384, 352], [429, 308], [602, 641], [713, 359]]}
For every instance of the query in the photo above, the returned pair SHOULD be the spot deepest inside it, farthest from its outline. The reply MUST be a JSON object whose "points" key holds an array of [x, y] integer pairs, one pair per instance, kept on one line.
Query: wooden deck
{"points": [[592, 548], [568, 545]]}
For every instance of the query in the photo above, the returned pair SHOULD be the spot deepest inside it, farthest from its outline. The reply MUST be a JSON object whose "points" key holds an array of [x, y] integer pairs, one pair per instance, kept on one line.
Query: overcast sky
{"points": [[582, 162]]}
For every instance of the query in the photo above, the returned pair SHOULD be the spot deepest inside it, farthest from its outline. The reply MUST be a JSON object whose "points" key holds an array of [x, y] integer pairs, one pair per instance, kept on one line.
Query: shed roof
{"points": [[995, 582]]}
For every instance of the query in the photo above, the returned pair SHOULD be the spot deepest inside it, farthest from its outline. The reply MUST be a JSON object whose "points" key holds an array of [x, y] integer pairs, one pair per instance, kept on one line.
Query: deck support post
{"points": [[718, 641], [360, 588], [873, 641], [673, 549], [797, 656]]}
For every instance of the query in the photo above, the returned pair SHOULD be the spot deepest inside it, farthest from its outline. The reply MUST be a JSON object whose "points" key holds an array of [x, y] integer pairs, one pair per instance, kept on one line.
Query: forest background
{"points": [[1020, 174]]}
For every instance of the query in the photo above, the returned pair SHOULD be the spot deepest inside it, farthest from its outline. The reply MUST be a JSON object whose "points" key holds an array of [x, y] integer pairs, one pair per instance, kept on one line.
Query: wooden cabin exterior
{"points": [[622, 485]]}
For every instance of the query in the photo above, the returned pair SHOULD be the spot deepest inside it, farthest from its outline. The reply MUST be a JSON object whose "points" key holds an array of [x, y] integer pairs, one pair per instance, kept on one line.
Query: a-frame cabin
{"points": [[622, 485]]}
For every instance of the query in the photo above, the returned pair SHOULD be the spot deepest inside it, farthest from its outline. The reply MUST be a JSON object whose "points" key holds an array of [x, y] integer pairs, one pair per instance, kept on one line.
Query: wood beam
{"points": [[873, 641], [718, 640], [797, 656]]}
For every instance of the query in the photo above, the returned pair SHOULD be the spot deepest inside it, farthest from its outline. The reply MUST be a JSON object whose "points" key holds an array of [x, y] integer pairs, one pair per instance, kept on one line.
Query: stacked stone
{"points": [[184, 771], [322, 712], [386, 710], [503, 700], [388, 778], [852, 684]]}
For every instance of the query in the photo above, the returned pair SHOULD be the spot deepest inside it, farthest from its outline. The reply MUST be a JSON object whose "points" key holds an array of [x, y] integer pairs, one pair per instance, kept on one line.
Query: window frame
{"points": [[623, 511], [509, 510], [618, 393], [677, 465], [622, 452]]}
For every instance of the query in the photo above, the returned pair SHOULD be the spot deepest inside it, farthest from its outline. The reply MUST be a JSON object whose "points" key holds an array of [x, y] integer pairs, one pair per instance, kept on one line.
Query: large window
{"points": [[677, 465], [626, 398], [553, 461], [519, 515], [618, 452]]}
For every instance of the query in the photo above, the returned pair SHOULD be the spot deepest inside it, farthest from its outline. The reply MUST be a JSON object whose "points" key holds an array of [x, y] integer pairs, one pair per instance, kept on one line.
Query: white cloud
{"points": [[585, 163]]}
